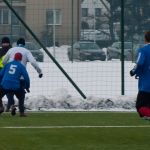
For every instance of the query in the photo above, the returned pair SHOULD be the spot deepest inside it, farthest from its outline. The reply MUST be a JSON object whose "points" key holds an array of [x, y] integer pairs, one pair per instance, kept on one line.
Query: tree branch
{"points": [[105, 5]]}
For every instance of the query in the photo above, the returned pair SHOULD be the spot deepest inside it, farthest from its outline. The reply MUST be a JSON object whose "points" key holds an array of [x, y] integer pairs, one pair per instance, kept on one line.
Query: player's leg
{"points": [[144, 111], [2, 93], [143, 104], [11, 101], [20, 94]]}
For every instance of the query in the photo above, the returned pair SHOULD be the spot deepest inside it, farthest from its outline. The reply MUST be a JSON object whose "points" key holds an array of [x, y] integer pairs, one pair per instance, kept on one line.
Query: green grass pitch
{"points": [[74, 131]]}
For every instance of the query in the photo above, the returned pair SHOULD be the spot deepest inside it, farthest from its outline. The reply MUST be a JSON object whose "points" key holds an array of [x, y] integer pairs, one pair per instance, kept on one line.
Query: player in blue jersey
{"points": [[142, 72], [10, 82]]}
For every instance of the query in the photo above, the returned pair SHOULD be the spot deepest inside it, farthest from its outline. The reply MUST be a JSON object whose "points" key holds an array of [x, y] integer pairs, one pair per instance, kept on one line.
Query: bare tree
{"points": [[112, 6]]}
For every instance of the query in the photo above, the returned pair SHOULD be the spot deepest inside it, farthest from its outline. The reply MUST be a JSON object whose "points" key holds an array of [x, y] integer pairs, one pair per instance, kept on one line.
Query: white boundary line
{"points": [[61, 127]]}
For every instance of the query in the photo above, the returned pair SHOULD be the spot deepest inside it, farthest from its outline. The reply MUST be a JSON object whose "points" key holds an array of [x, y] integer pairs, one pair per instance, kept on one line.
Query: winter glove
{"points": [[132, 73], [40, 75]]}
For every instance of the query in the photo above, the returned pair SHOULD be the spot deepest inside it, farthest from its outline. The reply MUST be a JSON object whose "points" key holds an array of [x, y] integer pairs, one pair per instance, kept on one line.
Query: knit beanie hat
{"points": [[5, 40], [18, 56], [21, 41]]}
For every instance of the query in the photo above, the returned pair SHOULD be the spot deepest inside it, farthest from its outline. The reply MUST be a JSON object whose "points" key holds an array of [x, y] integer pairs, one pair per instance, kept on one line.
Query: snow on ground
{"points": [[70, 103], [54, 92]]}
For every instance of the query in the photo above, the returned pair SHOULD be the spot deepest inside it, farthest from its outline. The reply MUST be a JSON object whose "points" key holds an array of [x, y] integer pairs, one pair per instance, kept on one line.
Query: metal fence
{"points": [[86, 37]]}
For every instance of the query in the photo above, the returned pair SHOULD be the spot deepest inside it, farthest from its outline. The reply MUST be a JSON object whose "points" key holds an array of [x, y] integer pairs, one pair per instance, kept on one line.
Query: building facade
{"points": [[51, 20]]}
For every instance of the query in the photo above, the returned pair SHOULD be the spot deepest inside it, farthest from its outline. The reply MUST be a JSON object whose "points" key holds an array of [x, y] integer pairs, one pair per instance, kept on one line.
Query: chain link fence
{"points": [[84, 36]]}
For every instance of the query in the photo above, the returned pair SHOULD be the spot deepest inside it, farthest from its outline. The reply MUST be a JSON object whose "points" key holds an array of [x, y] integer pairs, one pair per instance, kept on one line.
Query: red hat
{"points": [[18, 56]]}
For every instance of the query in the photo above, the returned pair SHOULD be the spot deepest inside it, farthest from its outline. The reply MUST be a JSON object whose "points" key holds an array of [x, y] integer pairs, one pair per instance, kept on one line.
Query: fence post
{"points": [[122, 48]]}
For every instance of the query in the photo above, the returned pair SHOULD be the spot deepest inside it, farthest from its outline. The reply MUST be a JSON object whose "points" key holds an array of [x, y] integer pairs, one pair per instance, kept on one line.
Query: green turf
{"points": [[128, 138]]}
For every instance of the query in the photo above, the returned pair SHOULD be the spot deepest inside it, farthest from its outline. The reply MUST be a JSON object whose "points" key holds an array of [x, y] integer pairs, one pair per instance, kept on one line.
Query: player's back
{"points": [[25, 53], [11, 75]]}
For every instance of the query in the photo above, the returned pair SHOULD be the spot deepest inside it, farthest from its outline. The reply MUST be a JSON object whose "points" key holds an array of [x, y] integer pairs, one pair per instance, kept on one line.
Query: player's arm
{"points": [[139, 63], [2, 72], [25, 76], [6, 59], [34, 63]]}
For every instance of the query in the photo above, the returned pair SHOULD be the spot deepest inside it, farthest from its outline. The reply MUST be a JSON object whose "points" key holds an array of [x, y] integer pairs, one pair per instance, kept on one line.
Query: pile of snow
{"points": [[61, 100]]}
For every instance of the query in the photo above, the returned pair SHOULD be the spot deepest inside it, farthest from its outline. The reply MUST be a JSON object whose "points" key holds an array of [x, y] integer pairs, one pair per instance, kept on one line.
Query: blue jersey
{"points": [[10, 76], [142, 69]]}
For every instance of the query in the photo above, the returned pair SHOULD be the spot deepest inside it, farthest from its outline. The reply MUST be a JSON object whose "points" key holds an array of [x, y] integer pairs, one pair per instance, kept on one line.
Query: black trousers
{"points": [[143, 99], [20, 94], [11, 100]]}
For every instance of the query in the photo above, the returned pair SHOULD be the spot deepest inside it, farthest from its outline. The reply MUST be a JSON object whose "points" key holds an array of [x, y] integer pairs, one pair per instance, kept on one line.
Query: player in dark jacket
{"points": [[10, 82], [142, 72], [5, 46]]}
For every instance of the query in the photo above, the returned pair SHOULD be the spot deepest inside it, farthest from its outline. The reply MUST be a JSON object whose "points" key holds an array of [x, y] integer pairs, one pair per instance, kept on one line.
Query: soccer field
{"points": [[74, 131]]}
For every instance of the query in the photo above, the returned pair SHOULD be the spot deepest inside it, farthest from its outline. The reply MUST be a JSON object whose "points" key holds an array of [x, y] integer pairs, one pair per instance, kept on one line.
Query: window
{"points": [[53, 17], [84, 12], [14, 20], [97, 12], [4, 16]]}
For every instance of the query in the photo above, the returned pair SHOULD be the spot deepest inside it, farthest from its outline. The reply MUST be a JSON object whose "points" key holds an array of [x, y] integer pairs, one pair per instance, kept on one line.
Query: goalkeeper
{"points": [[142, 72]]}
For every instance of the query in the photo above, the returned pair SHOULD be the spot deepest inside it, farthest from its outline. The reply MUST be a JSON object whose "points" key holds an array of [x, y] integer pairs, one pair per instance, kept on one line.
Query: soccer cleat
{"points": [[146, 118], [13, 110]]}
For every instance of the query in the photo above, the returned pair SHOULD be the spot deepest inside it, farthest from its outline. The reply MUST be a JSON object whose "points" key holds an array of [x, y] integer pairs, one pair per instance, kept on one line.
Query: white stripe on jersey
{"points": [[139, 55]]}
